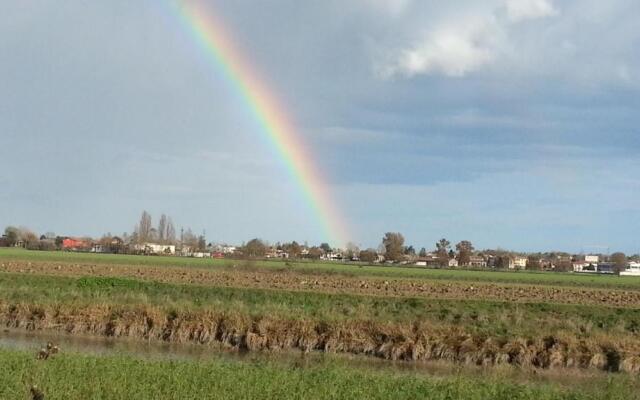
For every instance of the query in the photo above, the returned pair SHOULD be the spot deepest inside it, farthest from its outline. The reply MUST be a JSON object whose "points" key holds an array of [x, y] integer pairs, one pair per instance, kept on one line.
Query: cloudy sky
{"points": [[510, 123]]}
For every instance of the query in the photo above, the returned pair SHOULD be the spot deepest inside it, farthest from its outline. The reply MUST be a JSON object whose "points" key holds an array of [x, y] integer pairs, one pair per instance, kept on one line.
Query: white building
{"points": [[633, 269], [591, 259], [519, 262], [155, 248]]}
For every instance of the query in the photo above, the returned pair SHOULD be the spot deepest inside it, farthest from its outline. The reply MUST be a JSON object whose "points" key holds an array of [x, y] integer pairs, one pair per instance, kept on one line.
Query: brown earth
{"points": [[412, 341], [290, 280]]}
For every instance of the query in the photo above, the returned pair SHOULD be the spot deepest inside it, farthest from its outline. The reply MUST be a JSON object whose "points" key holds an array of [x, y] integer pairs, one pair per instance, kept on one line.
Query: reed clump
{"points": [[415, 341]]}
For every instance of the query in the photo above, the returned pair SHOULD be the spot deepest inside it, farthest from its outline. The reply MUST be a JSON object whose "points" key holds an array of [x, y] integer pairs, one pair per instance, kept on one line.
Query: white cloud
{"points": [[453, 50], [465, 42], [519, 10]]}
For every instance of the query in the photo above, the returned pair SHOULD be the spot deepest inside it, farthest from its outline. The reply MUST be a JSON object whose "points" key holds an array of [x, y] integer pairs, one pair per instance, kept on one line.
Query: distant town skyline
{"points": [[509, 123]]}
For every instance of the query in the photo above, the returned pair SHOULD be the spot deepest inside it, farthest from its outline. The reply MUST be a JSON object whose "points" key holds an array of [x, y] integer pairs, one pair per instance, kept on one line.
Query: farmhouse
{"points": [[430, 260], [519, 262], [155, 248], [73, 244], [477, 262]]}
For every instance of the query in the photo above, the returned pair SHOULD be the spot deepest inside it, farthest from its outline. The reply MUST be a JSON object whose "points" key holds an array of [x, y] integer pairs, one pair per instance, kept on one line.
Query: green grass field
{"points": [[524, 277], [70, 377]]}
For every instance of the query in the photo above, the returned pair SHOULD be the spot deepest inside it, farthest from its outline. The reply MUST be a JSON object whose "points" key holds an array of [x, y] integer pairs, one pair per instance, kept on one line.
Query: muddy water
{"points": [[99, 346]]}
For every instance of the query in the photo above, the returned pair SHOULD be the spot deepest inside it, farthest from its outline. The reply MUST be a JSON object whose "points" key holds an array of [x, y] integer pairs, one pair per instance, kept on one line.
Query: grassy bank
{"points": [[316, 267], [118, 377], [491, 318]]}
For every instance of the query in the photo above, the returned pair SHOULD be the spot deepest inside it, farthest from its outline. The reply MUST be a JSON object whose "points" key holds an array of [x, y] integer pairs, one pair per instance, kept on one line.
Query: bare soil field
{"points": [[284, 279]]}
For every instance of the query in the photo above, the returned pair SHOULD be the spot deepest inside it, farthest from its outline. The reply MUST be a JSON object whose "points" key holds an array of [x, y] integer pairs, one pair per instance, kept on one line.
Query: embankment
{"points": [[393, 341]]}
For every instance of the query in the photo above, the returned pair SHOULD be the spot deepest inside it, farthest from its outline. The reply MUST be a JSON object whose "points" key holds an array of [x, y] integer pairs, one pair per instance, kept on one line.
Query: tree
{"points": [[170, 233], [144, 227], [533, 263], [255, 248], [394, 246], [162, 229], [352, 250], [12, 234], [442, 253], [29, 238], [368, 255], [293, 249], [619, 261], [563, 265], [423, 252], [465, 251], [202, 243], [315, 253], [502, 261], [325, 247], [189, 239], [410, 251]]}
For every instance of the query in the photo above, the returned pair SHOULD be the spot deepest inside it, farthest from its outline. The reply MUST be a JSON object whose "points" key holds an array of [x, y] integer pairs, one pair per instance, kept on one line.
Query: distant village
{"points": [[164, 241]]}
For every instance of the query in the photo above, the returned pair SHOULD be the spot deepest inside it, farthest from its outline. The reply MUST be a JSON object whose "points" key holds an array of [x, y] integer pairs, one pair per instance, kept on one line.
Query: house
{"points": [[591, 259], [633, 269], [99, 248], [579, 266], [73, 244], [477, 262], [430, 260], [155, 248], [453, 262], [520, 262], [116, 245], [605, 268]]}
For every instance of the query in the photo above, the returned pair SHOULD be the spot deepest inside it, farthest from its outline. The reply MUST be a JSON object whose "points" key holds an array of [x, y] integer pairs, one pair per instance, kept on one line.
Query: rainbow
{"points": [[215, 40]]}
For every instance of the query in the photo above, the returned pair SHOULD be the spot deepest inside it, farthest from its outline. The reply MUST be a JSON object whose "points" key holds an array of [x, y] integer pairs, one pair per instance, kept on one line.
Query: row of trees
{"points": [[258, 248], [165, 233], [394, 249]]}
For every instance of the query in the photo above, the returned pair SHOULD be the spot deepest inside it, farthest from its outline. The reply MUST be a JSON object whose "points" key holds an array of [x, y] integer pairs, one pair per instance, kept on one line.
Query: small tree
{"points": [[293, 249], [202, 243], [315, 253], [394, 246], [255, 248], [352, 250], [12, 234], [368, 255], [563, 265], [325, 247], [533, 263], [442, 252], [410, 251], [619, 261], [144, 227], [423, 252], [465, 250]]}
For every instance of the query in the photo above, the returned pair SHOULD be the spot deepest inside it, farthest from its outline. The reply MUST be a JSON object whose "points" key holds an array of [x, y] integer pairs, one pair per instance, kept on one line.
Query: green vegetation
{"points": [[70, 377], [353, 269], [475, 316]]}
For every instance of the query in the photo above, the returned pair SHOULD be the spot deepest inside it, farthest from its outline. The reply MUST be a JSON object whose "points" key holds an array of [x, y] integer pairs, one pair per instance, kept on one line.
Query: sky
{"points": [[509, 123]]}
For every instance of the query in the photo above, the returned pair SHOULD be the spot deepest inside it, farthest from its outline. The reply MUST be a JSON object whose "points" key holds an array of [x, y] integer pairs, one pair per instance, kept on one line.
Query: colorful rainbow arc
{"points": [[210, 33]]}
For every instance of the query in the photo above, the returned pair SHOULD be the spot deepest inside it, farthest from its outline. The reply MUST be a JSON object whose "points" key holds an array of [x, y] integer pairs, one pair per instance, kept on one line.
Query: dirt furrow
{"points": [[290, 280]]}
